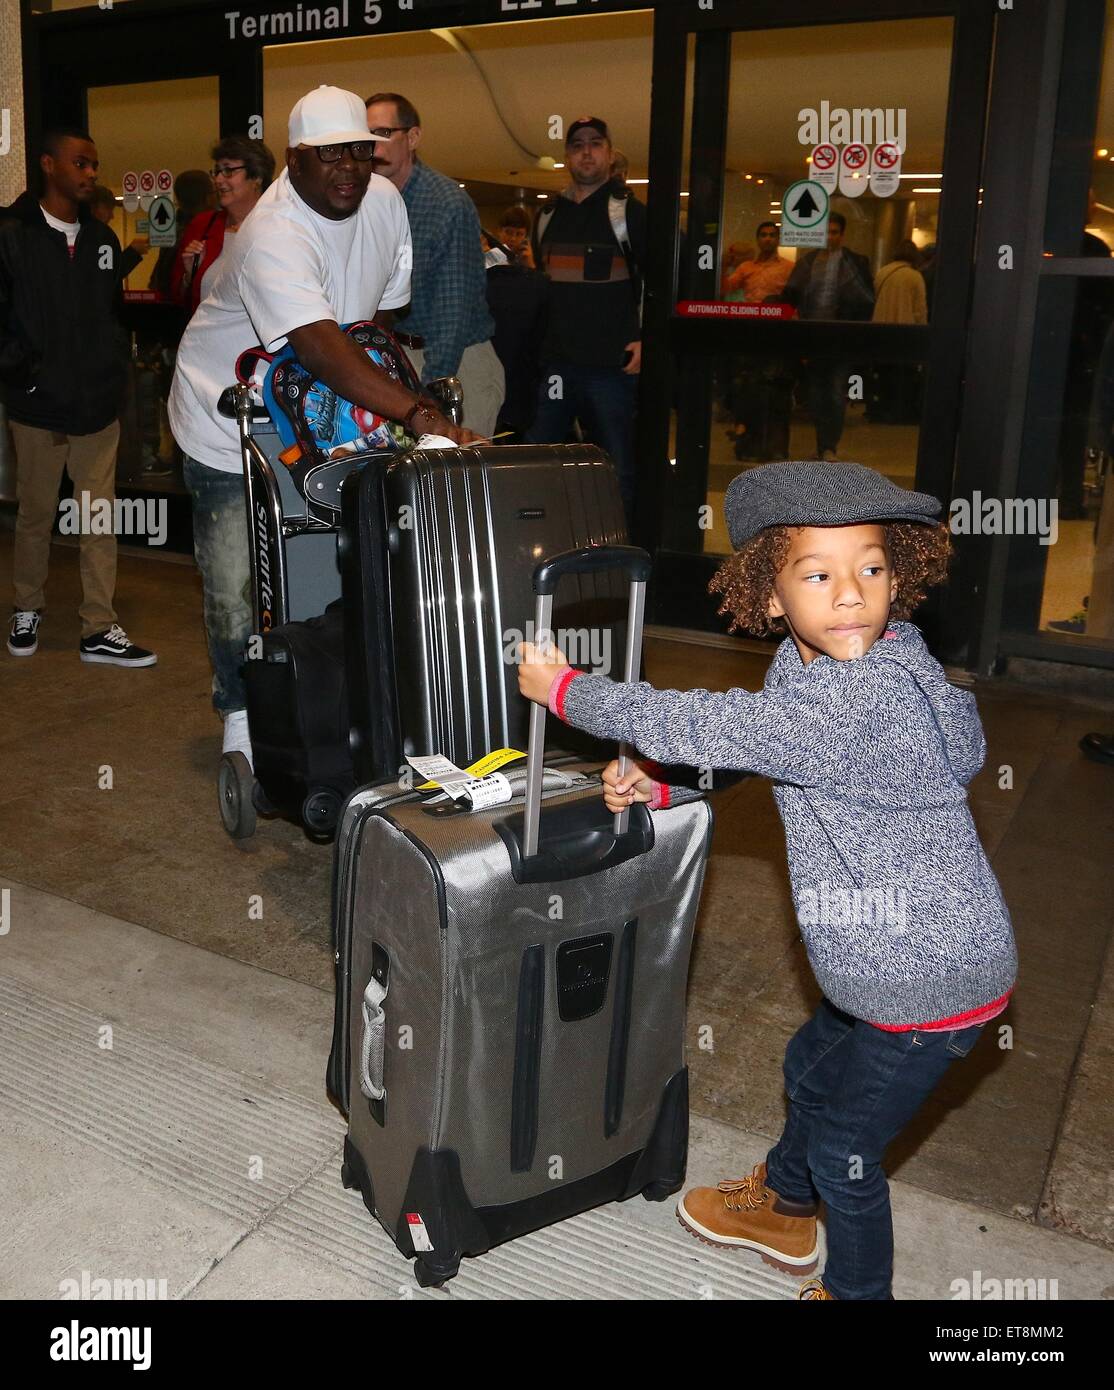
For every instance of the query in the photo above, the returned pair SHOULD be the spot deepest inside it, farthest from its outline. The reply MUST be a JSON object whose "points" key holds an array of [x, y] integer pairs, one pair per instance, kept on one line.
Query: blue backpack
{"points": [[314, 424]]}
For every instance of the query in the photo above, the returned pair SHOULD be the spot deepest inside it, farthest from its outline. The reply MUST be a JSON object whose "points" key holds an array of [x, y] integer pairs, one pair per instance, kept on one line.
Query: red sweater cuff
{"points": [[559, 688]]}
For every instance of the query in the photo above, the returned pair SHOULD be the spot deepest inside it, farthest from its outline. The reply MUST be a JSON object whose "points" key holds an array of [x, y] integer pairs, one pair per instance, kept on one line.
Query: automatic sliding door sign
{"points": [[804, 214]]}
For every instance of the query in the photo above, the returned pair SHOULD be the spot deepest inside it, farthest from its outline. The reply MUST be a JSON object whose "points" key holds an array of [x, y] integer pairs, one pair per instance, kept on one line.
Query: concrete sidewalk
{"points": [[163, 1117]]}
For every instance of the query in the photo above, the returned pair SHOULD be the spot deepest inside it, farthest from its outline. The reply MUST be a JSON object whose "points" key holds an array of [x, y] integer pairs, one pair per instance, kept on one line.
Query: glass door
{"points": [[821, 210]]}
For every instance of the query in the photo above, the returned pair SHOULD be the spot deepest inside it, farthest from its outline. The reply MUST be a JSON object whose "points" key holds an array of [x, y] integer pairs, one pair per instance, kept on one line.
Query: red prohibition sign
{"points": [[886, 156], [824, 156], [854, 156], [146, 181], [130, 183]]}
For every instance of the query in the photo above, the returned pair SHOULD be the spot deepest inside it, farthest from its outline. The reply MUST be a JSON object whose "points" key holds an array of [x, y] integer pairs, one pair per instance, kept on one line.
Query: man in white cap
{"points": [[327, 243]]}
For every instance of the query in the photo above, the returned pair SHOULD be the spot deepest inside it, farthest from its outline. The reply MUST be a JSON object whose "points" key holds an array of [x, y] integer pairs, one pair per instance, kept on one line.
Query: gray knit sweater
{"points": [[900, 912]]}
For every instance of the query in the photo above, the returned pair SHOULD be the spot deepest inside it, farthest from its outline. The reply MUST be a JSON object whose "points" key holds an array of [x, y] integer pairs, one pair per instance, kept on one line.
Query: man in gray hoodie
{"points": [[870, 750]]}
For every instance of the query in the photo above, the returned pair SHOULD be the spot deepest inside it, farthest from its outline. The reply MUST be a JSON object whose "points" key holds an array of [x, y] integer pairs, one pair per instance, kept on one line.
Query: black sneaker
{"points": [[112, 648], [23, 637]]}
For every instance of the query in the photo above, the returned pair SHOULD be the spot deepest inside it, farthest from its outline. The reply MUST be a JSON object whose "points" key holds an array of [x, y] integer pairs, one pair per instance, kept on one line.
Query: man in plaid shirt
{"points": [[448, 306]]}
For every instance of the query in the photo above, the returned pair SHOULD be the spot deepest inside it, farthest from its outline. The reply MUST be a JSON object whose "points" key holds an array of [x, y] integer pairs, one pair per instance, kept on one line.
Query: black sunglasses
{"points": [[360, 150]]}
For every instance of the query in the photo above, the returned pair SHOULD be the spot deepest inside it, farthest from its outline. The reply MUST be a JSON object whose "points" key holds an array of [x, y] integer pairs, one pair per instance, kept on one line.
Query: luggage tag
{"points": [[473, 789]]}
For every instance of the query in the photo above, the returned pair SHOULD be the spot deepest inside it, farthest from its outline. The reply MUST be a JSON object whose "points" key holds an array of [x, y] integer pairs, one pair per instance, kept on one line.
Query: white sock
{"points": [[236, 736]]}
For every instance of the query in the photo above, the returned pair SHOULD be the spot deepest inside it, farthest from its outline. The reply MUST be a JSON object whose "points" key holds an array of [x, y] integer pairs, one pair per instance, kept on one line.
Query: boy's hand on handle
{"points": [[537, 665], [621, 792]]}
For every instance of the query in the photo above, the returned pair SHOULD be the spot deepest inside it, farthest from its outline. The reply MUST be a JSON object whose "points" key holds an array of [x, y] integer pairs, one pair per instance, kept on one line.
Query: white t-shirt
{"points": [[70, 229], [287, 266]]}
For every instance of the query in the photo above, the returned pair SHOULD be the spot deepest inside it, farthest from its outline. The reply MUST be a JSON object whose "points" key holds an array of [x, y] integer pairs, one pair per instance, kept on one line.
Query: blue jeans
{"points": [[603, 400], [852, 1089], [220, 546]]}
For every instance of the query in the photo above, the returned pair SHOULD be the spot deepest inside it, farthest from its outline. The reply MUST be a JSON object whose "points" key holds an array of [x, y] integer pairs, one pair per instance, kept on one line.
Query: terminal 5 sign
{"points": [[352, 17]]}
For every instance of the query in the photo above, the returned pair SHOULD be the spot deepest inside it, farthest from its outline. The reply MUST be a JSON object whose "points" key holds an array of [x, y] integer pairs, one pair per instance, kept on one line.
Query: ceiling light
{"points": [[460, 185], [920, 176], [684, 195], [541, 195], [924, 190], [1103, 153], [638, 180], [748, 176], [760, 180], [558, 166]]}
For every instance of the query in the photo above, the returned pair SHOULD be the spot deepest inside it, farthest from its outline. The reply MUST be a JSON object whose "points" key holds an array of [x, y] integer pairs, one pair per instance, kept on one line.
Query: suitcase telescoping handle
{"points": [[590, 560]]}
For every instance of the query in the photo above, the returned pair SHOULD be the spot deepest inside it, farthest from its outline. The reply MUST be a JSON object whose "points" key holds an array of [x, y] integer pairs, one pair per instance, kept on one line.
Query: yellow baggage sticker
{"points": [[490, 762]]}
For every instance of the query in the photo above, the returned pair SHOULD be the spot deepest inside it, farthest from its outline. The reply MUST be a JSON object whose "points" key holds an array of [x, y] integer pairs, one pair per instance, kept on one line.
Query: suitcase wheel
{"points": [[320, 811], [346, 1178], [660, 1191], [234, 789], [434, 1276]]}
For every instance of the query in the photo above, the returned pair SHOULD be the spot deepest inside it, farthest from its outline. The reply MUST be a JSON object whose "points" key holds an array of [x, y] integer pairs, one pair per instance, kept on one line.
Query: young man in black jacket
{"points": [[63, 356]]}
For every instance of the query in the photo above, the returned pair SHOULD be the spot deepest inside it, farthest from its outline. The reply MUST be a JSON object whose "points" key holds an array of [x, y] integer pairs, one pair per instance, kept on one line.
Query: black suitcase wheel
{"points": [[660, 1191], [346, 1178], [235, 783], [433, 1276], [320, 811]]}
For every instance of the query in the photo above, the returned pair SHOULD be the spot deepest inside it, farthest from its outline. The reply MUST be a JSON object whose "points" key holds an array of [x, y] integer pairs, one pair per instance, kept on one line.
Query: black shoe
{"points": [[112, 648], [1098, 747], [23, 636]]}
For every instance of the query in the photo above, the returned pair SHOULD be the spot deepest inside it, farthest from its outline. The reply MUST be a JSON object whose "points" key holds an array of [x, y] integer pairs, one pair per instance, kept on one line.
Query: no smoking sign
{"points": [[824, 167]]}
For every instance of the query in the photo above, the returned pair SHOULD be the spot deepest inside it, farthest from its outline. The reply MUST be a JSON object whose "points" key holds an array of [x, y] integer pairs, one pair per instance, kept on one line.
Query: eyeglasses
{"points": [[360, 150], [227, 170], [386, 131]]}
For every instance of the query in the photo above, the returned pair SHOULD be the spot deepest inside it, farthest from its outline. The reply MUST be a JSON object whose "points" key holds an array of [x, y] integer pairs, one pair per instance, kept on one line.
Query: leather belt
{"points": [[410, 340]]}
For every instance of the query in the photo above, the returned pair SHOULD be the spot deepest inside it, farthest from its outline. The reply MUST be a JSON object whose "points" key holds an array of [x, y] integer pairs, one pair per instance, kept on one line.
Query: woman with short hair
{"points": [[242, 169]]}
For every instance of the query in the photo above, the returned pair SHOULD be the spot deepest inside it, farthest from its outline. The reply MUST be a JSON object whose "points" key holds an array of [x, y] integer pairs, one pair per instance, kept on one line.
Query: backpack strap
{"points": [[617, 216]]}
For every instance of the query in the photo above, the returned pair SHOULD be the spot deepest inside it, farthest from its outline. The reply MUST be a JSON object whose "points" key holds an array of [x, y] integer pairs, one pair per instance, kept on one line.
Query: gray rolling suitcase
{"points": [[509, 1035], [437, 551]]}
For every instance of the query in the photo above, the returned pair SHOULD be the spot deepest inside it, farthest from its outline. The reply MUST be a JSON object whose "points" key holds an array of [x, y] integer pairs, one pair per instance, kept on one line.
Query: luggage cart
{"points": [[293, 516]]}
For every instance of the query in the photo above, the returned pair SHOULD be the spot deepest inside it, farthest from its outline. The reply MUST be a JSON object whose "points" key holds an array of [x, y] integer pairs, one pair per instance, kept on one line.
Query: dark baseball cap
{"points": [[585, 123]]}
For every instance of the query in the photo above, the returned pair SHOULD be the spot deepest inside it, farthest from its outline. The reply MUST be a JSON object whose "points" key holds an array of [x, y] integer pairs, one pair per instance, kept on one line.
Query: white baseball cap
{"points": [[329, 116]]}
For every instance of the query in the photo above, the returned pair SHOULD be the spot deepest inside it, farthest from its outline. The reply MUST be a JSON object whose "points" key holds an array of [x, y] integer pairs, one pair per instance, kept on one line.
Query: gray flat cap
{"points": [[814, 493]]}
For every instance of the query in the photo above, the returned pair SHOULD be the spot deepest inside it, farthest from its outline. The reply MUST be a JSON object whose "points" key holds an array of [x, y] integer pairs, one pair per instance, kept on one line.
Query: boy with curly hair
{"points": [[870, 750]]}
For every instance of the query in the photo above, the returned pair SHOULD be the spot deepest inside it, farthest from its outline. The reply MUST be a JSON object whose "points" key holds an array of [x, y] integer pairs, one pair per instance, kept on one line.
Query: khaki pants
{"points": [[481, 376], [90, 460]]}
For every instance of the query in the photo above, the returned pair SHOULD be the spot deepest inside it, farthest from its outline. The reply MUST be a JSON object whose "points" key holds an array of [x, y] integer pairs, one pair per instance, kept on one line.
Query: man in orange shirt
{"points": [[763, 277]]}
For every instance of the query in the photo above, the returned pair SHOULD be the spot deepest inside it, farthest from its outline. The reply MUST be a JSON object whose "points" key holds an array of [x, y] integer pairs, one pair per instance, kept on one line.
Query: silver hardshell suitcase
{"points": [[509, 1039]]}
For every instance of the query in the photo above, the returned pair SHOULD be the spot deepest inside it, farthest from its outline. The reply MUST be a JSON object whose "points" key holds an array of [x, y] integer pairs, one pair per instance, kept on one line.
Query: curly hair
{"points": [[919, 555]]}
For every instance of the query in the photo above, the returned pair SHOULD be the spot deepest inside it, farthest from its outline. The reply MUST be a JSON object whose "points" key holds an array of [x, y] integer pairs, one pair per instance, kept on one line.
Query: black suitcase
{"points": [[510, 1008], [298, 714], [437, 550]]}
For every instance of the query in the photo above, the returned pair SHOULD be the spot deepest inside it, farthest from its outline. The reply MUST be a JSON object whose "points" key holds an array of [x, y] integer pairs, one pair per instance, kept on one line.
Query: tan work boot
{"points": [[813, 1290], [745, 1212]]}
